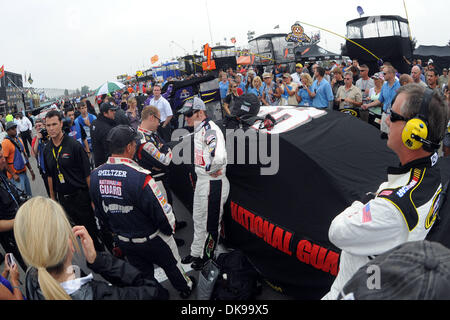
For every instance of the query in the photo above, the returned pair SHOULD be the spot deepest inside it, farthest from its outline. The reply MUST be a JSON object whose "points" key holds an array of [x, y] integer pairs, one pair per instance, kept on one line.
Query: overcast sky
{"points": [[68, 44]]}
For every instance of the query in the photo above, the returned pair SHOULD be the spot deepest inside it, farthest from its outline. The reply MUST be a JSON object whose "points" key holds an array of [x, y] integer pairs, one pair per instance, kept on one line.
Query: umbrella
{"points": [[109, 87]]}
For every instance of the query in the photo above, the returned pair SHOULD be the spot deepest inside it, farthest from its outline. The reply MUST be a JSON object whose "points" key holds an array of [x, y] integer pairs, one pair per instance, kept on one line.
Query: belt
{"points": [[70, 195], [138, 240]]}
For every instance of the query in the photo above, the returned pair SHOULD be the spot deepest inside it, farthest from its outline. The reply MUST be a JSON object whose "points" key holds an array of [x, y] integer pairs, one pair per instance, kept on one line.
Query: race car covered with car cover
{"points": [[289, 178]]}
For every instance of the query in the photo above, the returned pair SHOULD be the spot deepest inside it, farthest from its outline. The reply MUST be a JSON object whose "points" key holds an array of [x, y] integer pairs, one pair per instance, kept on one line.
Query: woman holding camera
{"points": [[48, 244], [304, 91]]}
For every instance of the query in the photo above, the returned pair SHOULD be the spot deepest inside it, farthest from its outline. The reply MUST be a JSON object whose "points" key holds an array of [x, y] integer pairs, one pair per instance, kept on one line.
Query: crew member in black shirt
{"points": [[68, 172], [100, 128]]}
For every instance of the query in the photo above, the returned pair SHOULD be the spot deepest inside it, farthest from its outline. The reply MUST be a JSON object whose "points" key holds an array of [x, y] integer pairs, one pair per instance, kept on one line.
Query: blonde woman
{"points": [[133, 113], [289, 89], [304, 90], [48, 243], [257, 88]]}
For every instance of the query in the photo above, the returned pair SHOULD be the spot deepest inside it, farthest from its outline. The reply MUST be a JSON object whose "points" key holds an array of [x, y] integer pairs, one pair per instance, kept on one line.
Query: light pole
{"points": [[209, 22]]}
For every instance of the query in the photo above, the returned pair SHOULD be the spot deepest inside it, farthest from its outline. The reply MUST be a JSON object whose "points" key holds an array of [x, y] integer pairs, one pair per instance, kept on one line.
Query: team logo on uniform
{"points": [[433, 211], [400, 193], [385, 193], [110, 187], [210, 246]]}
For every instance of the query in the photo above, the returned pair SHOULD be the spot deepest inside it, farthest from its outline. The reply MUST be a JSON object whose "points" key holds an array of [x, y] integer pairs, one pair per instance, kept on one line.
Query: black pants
{"points": [[156, 251], [45, 178], [9, 245], [26, 137], [79, 211]]}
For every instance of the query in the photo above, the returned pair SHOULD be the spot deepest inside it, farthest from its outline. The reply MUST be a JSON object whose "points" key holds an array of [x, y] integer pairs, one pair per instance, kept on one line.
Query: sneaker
{"points": [[180, 225], [180, 242], [198, 264], [187, 293], [188, 259]]}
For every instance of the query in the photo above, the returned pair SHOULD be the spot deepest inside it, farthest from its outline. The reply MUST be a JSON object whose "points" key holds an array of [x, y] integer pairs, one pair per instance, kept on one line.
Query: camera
{"points": [[44, 134], [66, 125], [22, 197]]}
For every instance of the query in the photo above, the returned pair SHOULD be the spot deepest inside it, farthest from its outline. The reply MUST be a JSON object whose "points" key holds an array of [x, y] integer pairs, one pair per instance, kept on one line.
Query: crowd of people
{"points": [[108, 172], [106, 175]]}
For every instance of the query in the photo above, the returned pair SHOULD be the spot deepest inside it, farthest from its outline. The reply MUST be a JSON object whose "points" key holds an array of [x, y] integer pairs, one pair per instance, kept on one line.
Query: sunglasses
{"points": [[396, 117], [190, 113]]}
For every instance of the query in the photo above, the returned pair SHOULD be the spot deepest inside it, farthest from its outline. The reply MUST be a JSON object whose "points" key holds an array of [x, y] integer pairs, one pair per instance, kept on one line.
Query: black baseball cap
{"points": [[105, 106], [121, 136], [417, 270]]}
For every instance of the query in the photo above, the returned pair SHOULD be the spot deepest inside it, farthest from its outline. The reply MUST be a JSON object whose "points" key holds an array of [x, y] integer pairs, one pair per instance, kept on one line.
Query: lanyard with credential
{"points": [[60, 175], [8, 189]]}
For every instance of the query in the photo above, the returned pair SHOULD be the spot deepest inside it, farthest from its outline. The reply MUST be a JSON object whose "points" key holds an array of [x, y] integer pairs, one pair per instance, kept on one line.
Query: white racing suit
{"points": [[403, 210], [210, 193]]}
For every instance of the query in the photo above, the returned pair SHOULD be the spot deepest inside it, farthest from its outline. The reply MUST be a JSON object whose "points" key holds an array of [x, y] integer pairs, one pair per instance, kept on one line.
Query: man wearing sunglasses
{"points": [[387, 94], [212, 186], [404, 207]]}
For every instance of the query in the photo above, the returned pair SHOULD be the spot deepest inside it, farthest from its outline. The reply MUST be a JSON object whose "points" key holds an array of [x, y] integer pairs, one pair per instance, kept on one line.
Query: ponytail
{"points": [[42, 232], [51, 288]]}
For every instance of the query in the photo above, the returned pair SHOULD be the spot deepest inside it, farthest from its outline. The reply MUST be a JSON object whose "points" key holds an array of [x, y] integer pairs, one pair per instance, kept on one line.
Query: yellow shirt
{"points": [[354, 93]]}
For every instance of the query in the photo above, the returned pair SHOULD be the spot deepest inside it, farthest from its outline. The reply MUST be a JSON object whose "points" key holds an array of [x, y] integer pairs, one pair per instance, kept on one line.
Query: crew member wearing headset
{"points": [[404, 207]]}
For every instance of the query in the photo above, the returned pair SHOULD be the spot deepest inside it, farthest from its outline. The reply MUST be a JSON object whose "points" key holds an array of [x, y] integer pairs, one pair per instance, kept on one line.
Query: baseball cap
{"points": [[378, 75], [445, 69], [10, 125], [267, 75], [193, 104], [286, 75], [121, 136], [105, 106], [299, 65], [417, 270]]}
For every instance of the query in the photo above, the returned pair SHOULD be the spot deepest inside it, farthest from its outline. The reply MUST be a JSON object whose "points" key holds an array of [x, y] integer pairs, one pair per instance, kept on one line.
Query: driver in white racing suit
{"points": [[212, 186], [405, 207]]}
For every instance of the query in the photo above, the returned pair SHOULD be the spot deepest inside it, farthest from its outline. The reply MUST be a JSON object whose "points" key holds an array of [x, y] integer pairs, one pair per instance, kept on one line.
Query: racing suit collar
{"points": [[140, 129], [118, 160], [201, 125], [426, 162]]}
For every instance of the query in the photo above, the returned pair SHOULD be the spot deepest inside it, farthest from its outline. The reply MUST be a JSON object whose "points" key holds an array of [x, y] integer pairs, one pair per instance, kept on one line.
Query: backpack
{"points": [[238, 279]]}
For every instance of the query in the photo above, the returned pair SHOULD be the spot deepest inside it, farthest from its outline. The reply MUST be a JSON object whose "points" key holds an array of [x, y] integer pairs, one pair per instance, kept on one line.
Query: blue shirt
{"points": [[387, 94], [324, 94], [255, 91], [306, 99], [242, 86], [86, 128], [223, 87]]}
